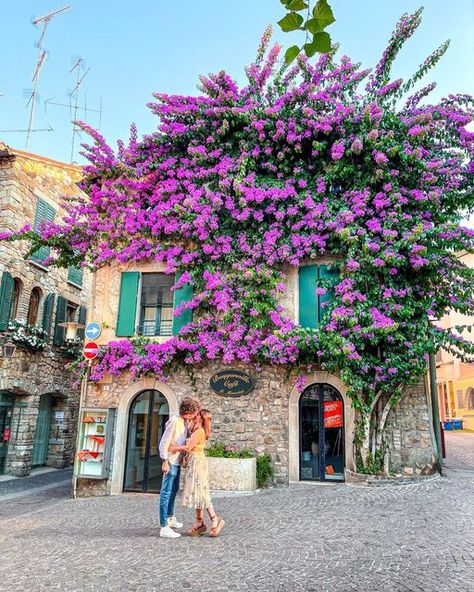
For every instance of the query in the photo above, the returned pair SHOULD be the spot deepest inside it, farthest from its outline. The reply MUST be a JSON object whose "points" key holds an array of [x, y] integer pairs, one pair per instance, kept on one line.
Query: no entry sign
{"points": [[90, 350]]}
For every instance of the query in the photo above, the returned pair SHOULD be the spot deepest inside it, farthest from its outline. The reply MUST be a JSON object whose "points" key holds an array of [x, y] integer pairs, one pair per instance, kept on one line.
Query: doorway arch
{"points": [[148, 415], [321, 434], [294, 454]]}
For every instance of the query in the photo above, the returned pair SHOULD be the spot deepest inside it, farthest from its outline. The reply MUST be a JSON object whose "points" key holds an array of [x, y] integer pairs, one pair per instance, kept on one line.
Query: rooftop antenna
{"points": [[44, 20], [81, 74]]}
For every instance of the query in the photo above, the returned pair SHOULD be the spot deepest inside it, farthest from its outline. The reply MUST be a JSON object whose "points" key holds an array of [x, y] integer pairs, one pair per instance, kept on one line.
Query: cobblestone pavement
{"points": [[460, 448], [417, 537]]}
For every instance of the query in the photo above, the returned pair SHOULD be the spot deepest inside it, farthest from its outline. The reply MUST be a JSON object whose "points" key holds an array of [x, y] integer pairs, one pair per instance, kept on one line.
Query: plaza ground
{"points": [[417, 537]]}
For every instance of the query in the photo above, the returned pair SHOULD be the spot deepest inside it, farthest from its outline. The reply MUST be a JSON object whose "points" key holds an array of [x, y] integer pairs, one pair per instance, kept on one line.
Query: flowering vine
{"points": [[239, 185]]}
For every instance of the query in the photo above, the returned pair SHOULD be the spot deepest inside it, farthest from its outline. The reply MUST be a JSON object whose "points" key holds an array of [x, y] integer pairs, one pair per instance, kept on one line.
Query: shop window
{"points": [[33, 307], [16, 294], [147, 302]]}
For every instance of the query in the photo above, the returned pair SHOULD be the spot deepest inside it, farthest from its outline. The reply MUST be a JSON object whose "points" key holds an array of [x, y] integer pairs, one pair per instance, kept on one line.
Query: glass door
{"points": [[321, 434], [6, 411], [148, 415]]}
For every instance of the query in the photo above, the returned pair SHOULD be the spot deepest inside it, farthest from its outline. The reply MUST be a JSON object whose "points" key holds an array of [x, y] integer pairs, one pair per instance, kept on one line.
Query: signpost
{"points": [[93, 330], [90, 350], [231, 383]]}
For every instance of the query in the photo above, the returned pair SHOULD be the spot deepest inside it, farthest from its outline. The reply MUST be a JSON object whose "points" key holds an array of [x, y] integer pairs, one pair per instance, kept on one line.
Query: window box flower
{"points": [[28, 336]]}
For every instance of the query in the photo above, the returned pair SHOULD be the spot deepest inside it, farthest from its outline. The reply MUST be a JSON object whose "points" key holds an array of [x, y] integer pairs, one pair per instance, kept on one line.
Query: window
{"points": [[44, 212], [33, 307], [15, 298], [311, 303], [75, 276], [156, 304], [71, 312]]}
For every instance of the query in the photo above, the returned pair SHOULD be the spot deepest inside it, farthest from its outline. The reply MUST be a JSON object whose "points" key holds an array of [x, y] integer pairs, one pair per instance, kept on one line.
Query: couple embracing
{"points": [[182, 446]]}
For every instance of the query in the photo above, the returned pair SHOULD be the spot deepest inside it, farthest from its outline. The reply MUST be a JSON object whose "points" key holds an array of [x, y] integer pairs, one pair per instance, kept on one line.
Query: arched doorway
{"points": [[148, 415], [321, 434]]}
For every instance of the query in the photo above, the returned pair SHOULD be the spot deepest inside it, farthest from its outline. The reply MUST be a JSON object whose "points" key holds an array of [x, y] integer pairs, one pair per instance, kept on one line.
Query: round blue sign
{"points": [[93, 330]]}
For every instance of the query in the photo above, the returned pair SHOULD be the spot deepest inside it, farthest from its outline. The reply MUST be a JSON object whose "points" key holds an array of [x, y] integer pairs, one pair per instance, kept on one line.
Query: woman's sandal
{"points": [[197, 530], [215, 530]]}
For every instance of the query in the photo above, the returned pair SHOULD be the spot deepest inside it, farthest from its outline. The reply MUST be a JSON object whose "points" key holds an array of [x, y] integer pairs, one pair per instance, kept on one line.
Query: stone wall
{"points": [[29, 374], [260, 419]]}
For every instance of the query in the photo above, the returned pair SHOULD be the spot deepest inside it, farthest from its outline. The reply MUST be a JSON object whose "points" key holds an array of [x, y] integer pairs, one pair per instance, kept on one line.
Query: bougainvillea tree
{"points": [[238, 185]]}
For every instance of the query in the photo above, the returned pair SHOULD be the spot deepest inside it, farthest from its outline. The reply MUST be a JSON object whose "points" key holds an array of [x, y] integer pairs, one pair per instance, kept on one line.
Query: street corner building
{"points": [[308, 432], [39, 395]]}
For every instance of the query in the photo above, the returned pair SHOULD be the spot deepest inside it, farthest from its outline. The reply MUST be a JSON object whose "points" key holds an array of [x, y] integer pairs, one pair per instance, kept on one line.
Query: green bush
{"points": [[264, 469], [220, 450]]}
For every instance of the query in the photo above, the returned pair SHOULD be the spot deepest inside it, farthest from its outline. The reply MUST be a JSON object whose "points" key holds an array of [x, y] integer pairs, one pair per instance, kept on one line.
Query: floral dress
{"points": [[196, 492]]}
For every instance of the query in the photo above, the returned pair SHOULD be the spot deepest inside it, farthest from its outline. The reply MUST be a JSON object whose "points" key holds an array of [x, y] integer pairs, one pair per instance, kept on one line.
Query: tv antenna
{"points": [[73, 106], [44, 20]]}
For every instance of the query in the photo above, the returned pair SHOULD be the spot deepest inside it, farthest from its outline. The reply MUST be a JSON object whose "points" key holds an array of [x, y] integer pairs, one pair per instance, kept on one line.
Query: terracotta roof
{"points": [[9, 152]]}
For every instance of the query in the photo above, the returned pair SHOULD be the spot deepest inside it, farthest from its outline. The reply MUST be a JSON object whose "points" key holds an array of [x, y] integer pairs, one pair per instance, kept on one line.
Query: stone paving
{"points": [[417, 537]]}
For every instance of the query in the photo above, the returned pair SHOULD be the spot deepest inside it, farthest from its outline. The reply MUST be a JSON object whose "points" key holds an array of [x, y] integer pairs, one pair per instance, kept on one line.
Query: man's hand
{"points": [[165, 467]]}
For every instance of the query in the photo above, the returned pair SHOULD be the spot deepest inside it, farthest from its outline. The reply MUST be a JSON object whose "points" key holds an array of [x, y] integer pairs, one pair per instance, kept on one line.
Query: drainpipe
{"points": [[82, 400], [435, 409]]}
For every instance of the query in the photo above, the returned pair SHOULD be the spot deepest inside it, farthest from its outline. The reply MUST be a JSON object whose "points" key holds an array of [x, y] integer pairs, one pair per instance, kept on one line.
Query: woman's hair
{"points": [[206, 418]]}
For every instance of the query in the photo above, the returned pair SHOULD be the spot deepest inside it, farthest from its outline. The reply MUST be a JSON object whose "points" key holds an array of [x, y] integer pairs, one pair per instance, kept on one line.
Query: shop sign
{"points": [[333, 414], [231, 383]]}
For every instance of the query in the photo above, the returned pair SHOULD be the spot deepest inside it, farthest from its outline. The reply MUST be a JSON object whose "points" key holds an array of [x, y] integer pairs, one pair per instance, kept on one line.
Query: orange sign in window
{"points": [[333, 414]]}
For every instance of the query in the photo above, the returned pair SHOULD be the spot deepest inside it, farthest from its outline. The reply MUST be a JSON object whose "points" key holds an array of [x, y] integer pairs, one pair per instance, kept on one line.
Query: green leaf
{"points": [[297, 5], [312, 25], [291, 53], [321, 43], [322, 12], [291, 22]]}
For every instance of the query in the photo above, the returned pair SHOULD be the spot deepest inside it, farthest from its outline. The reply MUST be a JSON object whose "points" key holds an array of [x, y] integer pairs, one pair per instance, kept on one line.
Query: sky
{"points": [[135, 48]]}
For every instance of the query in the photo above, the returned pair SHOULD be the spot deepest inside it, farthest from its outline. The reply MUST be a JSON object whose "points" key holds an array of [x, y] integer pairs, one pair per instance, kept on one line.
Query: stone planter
{"points": [[233, 474]]}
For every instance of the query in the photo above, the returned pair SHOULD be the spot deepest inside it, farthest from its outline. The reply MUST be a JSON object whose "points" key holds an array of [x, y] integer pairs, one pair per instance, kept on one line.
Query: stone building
{"points": [[38, 397], [455, 378], [309, 435]]}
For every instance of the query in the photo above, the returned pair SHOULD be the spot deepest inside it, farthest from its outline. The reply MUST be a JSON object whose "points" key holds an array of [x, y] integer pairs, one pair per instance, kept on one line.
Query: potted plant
{"points": [[234, 469]]}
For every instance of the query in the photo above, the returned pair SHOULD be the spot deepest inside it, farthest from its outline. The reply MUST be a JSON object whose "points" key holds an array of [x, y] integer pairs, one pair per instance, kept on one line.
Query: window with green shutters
{"points": [[147, 300], [184, 294], [61, 317], [6, 299], [127, 311], [311, 310], [43, 212], [81, 319], [48, 309], [75, 276]]}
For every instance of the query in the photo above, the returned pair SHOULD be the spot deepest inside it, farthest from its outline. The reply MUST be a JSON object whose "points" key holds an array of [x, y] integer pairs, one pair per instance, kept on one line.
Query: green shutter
{"points": [[43, 212], [308, 305], [184, 294], [6, 298], [81, 319], [325, 272], [60, 332], [127, 310], [48, 313], [75, 275]]}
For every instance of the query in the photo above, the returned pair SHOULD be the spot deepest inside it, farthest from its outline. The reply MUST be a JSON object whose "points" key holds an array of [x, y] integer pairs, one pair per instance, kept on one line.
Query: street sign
{"points": [[93, 330], [90, 350]]}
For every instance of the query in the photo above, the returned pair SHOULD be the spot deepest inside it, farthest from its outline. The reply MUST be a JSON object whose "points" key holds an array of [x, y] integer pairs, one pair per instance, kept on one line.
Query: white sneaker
{"points": [[168, 533], [174, 523]]}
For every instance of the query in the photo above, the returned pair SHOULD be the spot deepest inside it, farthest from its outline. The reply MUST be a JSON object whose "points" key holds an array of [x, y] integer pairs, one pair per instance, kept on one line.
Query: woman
{"points": [[196, 492]]}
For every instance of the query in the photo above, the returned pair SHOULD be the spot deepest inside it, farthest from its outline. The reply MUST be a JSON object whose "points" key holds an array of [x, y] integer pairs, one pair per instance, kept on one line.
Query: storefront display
{"points": [[95, 443]]}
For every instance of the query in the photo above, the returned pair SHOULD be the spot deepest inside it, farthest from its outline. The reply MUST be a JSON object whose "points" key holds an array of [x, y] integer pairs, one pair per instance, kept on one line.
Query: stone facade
{"points": [[267, 419], [32, 374]]}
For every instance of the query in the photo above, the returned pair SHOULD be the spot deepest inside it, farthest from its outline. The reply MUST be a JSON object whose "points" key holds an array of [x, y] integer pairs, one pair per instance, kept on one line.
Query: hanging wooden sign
{"points": [[231, 383]]}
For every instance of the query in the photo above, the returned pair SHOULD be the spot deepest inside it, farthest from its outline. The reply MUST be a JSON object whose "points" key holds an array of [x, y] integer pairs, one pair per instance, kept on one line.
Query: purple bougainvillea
{"points": [[237, 185]]}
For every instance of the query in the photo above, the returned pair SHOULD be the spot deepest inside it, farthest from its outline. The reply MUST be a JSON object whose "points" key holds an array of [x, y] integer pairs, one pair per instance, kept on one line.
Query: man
{"points": [[174, 435]]}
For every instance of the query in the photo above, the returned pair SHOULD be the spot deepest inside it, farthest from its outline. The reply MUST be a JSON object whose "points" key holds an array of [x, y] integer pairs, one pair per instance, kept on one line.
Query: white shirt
{"points": [[174, 435]]}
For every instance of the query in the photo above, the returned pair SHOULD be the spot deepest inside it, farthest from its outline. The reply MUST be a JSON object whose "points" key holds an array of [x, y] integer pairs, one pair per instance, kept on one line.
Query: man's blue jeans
{"points": [[169, 489]]}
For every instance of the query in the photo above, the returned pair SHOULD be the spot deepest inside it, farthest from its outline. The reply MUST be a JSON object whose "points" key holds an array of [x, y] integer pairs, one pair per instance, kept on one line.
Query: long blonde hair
{"points": [[206, 419]]}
